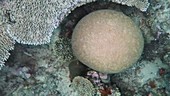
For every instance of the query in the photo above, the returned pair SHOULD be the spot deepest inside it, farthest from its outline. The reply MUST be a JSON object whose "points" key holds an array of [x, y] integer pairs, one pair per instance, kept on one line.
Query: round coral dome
{"points": [[107, 41]]}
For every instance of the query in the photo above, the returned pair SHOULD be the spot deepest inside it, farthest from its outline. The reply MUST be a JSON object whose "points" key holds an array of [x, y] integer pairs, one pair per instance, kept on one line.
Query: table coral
{"points": [[34, 21]]}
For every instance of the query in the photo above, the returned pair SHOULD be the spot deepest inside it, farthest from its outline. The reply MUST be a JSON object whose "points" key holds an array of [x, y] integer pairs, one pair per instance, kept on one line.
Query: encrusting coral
{"points": [[32, 22], [107, 41]]}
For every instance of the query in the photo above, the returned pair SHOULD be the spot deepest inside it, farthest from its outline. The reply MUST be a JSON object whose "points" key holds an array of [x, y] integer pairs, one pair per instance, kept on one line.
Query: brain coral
{"points": [[107, 41]]}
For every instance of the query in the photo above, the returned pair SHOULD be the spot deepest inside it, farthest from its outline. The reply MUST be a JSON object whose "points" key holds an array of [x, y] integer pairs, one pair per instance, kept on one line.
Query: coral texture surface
{"points": [[33, 22], [107, 41]]}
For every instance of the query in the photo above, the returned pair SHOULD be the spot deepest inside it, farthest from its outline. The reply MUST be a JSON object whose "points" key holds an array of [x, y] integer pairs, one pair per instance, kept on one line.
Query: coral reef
{"points": [[63, 48], [107, 41], [140, 4], [161, 17], [36, 20], [144, 77], [45, 70], [83, 86], [32, 22], [6, 43], [35, 70]]}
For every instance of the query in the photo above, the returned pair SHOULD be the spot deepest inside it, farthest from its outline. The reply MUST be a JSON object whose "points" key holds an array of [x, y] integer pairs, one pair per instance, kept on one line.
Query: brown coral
{"points": [[107, 41]]}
